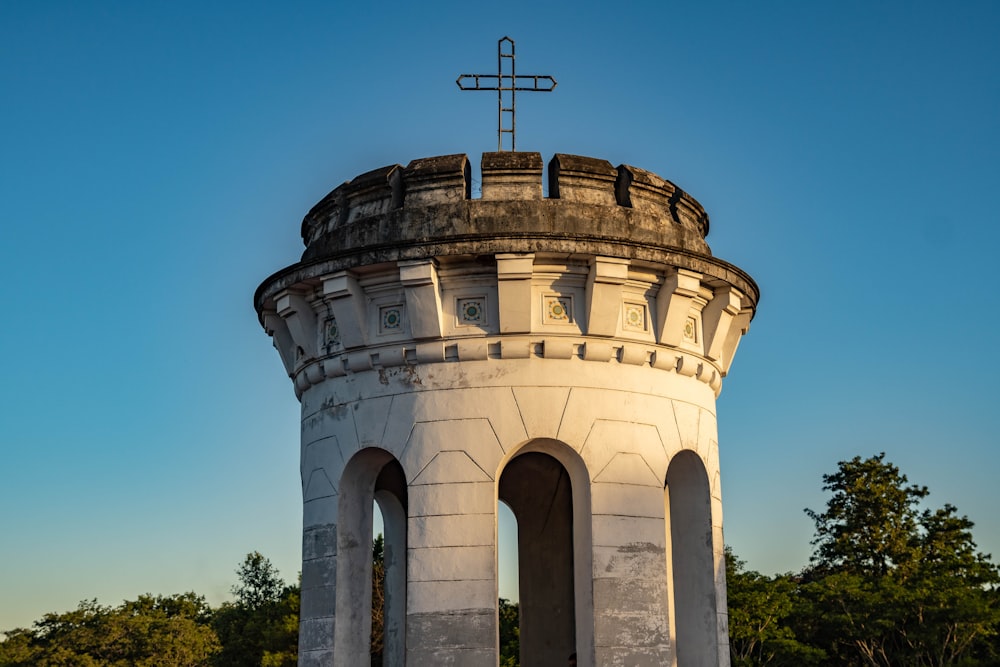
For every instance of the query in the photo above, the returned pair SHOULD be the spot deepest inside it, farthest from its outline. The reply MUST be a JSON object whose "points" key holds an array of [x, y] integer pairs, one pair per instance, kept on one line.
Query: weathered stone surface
{"points": [[462, 628], [457, 656], [318, 602], [509, 176], [434, 179], [369, 212], [452, 596], [632, 656], [633, 612], [313, 658], [319, 541], [316, 636], [582, 179], [561, 354]]}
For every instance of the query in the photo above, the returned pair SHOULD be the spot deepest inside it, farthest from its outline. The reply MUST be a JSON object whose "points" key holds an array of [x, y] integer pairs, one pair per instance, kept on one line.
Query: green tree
{"points": [[378, 600], [891, 585], [261, 626], [152, 630], [17, 647], [259, 584], [951, 589], [760, 609], [281, 636], [510, 633], [870, 521]]}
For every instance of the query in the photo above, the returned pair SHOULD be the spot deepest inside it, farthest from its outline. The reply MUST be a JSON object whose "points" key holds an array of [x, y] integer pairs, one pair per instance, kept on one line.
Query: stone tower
{"points": [[561, 354]]}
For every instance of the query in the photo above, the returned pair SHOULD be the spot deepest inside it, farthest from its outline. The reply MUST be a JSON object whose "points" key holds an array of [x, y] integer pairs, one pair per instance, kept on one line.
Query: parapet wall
{"points": [[431, 199]]}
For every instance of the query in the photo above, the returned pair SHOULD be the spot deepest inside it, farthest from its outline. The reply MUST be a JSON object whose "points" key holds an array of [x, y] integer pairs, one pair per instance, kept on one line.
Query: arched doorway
{"points": [[372, 475], [538, 490], [691, 562]]}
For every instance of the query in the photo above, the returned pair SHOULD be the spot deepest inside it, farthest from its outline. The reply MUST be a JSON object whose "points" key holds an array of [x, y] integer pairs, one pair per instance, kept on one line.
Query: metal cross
{"points": [[509, 83]]}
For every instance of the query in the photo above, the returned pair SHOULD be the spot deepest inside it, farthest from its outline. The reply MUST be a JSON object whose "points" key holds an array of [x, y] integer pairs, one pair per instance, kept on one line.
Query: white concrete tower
{"points": [[561, 354]]}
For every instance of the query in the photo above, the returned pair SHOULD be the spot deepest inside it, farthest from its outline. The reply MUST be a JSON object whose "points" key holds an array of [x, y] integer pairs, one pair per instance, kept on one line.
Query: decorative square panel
{"points": [[691, 330], [390, 319], [471, 311], [558, 309], [634, 317]]}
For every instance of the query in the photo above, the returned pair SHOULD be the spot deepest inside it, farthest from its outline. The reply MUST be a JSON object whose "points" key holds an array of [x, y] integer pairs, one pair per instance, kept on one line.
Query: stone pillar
{"points": [[451, 560]]}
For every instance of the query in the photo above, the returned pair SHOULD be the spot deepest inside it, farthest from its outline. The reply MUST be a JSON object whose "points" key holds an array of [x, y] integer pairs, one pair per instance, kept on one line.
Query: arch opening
{"points": [[507, 583], [372, 476], [507, 574], [691, 562], [537, 489]]}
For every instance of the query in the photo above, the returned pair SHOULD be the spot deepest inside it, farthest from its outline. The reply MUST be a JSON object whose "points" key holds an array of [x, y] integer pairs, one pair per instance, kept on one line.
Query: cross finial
{"points": [[506, 83]]}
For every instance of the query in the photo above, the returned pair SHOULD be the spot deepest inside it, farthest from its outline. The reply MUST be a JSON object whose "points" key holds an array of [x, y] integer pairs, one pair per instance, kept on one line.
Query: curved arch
{"points": [[690, 561], [371, 475], [547, 486]]}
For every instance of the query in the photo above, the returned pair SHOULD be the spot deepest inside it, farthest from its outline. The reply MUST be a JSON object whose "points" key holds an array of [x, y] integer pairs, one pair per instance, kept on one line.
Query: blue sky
{"points": [[157, 158]]}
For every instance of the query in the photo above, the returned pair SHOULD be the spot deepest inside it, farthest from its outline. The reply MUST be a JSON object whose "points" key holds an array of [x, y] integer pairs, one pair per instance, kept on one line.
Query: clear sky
{"points": [[156, 160]]}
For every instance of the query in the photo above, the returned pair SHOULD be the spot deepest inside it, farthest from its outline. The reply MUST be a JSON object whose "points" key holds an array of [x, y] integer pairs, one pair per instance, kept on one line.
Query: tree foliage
{"points": [[146, 632], [760, 609], [510, 634], [259, 584], [891, 584], [261, 626], [870, 522], [378, 600]]}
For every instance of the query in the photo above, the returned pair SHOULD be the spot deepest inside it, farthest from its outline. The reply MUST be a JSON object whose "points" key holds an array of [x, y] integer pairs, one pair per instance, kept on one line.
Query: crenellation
{"points": [[647, 192], [644, 191], [437, 180], [511, 176], [375, 192], [481, 226], [330, 212], [690, 213], [391, 205], [582, 179]]}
